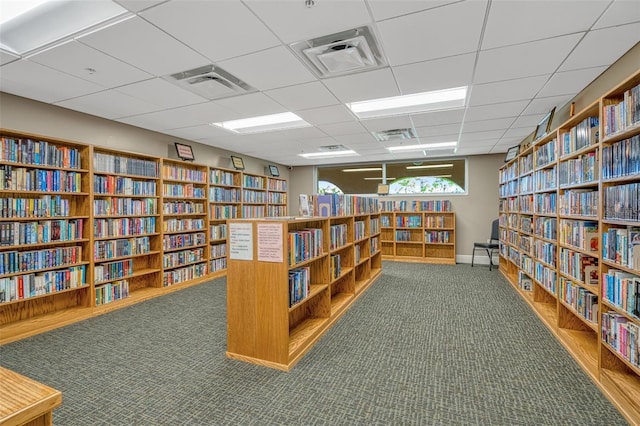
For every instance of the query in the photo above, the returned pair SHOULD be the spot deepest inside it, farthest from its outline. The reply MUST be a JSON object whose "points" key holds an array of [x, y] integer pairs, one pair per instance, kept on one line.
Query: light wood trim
{"points": [[25, 401]]}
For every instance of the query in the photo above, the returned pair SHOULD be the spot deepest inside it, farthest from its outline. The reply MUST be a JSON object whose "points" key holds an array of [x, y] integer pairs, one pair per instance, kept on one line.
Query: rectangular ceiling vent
{"points": [[210, 82], [341, 53], [395, 134], [330, 148]]}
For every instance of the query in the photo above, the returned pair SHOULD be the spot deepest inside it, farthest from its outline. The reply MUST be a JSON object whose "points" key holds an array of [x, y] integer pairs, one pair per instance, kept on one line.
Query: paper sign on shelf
{"points": [[240, 241]]}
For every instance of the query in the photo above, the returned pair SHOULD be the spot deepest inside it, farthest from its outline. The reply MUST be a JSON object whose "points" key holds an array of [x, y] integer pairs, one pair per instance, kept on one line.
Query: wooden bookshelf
{"points": [[25, 401], [586, 280], [268, 326], [276, 197], [254, 196], [185, 238], [225, 198]]}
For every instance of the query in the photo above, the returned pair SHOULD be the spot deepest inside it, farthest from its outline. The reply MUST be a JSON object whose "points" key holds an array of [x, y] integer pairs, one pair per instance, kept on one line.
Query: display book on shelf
{"points": [[418, 231], [289, 279], [585, 281]]}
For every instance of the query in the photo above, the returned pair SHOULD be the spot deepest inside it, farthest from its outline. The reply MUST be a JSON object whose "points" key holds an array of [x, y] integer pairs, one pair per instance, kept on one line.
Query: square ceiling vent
{"points": [[210, 82], [395, 134], [341, 53]]}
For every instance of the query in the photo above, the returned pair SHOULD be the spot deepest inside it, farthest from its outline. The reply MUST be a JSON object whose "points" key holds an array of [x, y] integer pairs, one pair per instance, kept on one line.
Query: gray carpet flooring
{"points": [[425, 345]]}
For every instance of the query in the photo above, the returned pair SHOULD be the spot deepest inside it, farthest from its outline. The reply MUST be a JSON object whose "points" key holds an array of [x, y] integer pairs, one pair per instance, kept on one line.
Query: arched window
{"points": [[325, 187], [424, 185]]}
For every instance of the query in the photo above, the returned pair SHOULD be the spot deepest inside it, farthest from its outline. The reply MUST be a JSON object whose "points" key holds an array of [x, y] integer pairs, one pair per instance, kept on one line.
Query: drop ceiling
{"points": [[518, 58]]}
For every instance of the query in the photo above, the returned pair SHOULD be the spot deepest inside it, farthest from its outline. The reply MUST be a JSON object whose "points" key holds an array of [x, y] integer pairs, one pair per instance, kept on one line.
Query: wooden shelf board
{"points": [[570, 308], [339, 302], [546, 312], [313, 290], [26, 401], [113, 259], [304, 335], [138, 273], [35, 271], [583, 347], [343, 271], [623, 390], [66, 290]]}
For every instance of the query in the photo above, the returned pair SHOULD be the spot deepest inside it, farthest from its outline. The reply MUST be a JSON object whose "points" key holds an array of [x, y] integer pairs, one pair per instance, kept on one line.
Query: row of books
{"points": [[218, 232], [374, 245], [218, 194], [435, 221], [622, 202], [525, 243], [527, 264], [182, 207], [374, 225], [304, 244], [105, 272], [123, 227], [276, 211], [622, 290], [357, 254], [509, 173], [277, 198], [109, 249], [546, 252], [111, 292], [621, 245], [255, 182], [335, 267], [623, 335], [39, 153], [416, 206], [580, 136], [525, 184], [526, 164], [179, 258], [39, 284], [546, 276], [109, 163], [526, 224], [545, 203], [277, 185], [621, 158], [338, 235], [524, 281], [407, 236], [579, 233], [21, 179], [579, 202], [253, 211], [176, 276], [218, 264], [545, 154], [12, 262], [249, 196], [403, 221], [624, 114], [299, 285], [170, 242], [176, 225], [329, 205], [44, 206], [582, 169], [224, 212], [583, 302], [44, 231], [545, 179], [187, 190], [438, 236], [579, 266], [359, 230], [222, 177], [218, 250], [121, 185], [124, 206], [183, 174]]}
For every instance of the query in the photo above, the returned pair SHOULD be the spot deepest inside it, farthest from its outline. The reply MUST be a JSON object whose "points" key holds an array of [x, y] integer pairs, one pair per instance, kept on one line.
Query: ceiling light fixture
{"points": [[364, 169], [328, 154], [265, 123], [440, 176], [440, 145], [408, 104], [378, 178], [430, 166]]}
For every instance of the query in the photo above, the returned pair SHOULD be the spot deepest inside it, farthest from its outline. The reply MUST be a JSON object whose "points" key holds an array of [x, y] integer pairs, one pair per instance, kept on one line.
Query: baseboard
{"points": [[478, 260]]}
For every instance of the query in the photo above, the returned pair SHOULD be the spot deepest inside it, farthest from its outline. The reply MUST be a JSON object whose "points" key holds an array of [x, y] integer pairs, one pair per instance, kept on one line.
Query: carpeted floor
{"points": [[425, 345]]}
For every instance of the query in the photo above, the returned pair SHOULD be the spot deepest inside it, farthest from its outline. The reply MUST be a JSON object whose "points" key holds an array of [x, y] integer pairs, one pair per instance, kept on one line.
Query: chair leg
{"points": [[490, 260], [473, 254]]}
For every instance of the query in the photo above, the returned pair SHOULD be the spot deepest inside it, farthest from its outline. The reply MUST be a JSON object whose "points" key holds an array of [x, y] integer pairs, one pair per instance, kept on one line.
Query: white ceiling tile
{"points": [[142, 45], [570, 82], [470, 149], [6, 57], [495, 124], [217, 29], [251, 105], [34, 81], [199, 132], [269, 69], [109, 104], [430, 34], [340, 129], [363, 86], [527, 121], [524, 60], [542, 106], [502, 110], [609, 43], [385, 9], [388, 123], [78, 59], [444, 129], [483, 143], [620, 12], [493, 135], [513, 22], [187, 116], [506, 91], [138, 5], [325, 115], [356, 138], [438, 117], [519, 133], [437, 74], [303, 96], [450, 137], [161, 92], [293, 21]]}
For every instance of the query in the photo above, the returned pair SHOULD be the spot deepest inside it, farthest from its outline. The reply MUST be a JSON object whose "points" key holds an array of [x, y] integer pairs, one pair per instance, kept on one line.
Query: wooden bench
{"points": [[26, 402]]}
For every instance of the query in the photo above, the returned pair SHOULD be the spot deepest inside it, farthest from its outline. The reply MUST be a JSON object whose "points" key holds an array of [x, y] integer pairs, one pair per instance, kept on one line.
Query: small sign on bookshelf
{"points": [[184, 151]]}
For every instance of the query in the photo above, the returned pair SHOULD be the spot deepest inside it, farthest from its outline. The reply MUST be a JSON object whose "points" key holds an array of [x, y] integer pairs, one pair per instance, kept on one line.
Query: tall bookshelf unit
{"points": [[292, 281], [276, 197], [127, 245], [45, 243], [184, 222], [586, 274], [254, 196], [423, 233], [225, 197]]}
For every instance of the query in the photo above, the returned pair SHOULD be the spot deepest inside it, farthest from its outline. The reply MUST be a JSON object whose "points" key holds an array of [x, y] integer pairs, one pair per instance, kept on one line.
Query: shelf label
{"points": [[270, 242], [240, 241]]}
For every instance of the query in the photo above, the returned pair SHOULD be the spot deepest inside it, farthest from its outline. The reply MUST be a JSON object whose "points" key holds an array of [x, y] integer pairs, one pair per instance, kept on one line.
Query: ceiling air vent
{"points": [[395, 134], [341, 53], [210, 82], [329, 148]]}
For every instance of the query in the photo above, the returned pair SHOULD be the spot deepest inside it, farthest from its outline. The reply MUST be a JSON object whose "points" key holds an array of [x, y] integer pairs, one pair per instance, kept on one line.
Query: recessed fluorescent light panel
{"points": [[377, 178], [441, 145], [364, 169], [265, 123], [430, 166], [409, 104], [328, 154], [41, 23]]}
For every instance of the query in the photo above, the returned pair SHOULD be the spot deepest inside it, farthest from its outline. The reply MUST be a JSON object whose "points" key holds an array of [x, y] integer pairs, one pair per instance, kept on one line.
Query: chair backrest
{"points": [[495, 232]]}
